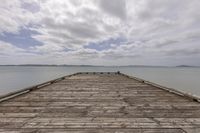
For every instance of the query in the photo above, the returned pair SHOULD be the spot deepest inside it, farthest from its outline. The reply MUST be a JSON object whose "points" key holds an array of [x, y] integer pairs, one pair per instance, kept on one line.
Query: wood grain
{"points": [[99, 103]]}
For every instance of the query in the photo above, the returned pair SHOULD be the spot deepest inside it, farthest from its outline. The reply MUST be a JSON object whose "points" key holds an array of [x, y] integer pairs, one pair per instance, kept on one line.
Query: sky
{"points": [[100, 32]]}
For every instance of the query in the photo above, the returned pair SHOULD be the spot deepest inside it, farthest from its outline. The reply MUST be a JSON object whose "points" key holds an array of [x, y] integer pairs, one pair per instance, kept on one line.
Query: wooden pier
{"points": [[99, 103]]}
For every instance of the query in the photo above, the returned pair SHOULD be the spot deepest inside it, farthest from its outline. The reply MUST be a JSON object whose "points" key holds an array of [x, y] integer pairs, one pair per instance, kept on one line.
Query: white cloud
{"points": [[7, 49], [152, 28], [13, 16]]}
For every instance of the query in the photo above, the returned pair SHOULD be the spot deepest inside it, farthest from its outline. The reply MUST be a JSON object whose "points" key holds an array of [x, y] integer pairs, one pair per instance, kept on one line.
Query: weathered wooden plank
{"points": [[100, 103], [180, 105], [136, 130]]}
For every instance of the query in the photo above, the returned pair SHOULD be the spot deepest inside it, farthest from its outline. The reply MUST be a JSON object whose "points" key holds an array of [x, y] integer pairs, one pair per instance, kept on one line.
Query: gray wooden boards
{"points": [[99, 103]]}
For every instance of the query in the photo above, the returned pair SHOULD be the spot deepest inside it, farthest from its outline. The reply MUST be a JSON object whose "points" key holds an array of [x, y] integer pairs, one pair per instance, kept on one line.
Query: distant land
{"points": [[65, 65], [49, 65], [186, 66]]}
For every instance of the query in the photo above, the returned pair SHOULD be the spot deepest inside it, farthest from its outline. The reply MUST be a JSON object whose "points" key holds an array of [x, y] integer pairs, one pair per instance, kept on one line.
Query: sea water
{"points": [[186, 79]]}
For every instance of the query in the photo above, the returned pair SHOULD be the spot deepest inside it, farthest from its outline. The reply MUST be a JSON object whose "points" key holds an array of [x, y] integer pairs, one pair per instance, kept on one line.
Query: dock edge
{"points": [[28, 89]]}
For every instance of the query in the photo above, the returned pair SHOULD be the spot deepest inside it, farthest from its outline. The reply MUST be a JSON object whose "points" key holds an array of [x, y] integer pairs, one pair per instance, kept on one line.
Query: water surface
{"points": [[186, 79]]}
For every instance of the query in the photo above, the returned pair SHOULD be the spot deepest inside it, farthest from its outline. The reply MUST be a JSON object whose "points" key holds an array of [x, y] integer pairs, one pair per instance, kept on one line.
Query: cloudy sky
{"points": [[100, 32]]}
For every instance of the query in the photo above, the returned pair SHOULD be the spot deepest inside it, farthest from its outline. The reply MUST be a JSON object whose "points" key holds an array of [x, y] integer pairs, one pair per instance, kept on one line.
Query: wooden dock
{"points": [[99, 103]]}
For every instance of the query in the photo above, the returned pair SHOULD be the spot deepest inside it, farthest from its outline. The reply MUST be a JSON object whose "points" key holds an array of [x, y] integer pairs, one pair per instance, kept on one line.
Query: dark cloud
{"points": [[31, 6], [164, 43], [114, 7], [182, 52]]}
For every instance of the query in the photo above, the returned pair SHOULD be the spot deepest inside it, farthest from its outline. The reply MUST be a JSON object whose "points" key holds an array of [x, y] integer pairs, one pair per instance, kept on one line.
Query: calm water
{"points": [[17, 77]]}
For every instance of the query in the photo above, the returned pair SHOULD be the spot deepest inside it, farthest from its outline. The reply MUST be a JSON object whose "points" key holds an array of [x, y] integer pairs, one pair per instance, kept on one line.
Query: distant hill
{"points": [[142, 66], [49, 65], [186, 66], [65, 65]]}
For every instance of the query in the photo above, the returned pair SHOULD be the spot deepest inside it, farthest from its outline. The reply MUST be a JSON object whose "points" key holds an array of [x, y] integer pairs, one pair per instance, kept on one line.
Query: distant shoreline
{"points": [[43, 65]]}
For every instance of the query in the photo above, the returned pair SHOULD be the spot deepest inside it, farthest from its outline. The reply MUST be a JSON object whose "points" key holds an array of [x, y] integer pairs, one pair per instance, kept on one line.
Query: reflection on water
{"points": [[182, 78]]}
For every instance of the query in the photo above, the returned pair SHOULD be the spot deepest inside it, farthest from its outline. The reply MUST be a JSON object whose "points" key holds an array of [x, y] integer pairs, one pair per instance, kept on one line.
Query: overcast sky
{"points": [[100, 32]]}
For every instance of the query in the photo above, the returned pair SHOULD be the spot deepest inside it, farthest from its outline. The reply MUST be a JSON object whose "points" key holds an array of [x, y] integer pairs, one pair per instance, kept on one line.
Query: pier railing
{"points": [[171, 90], [31, 88]]}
